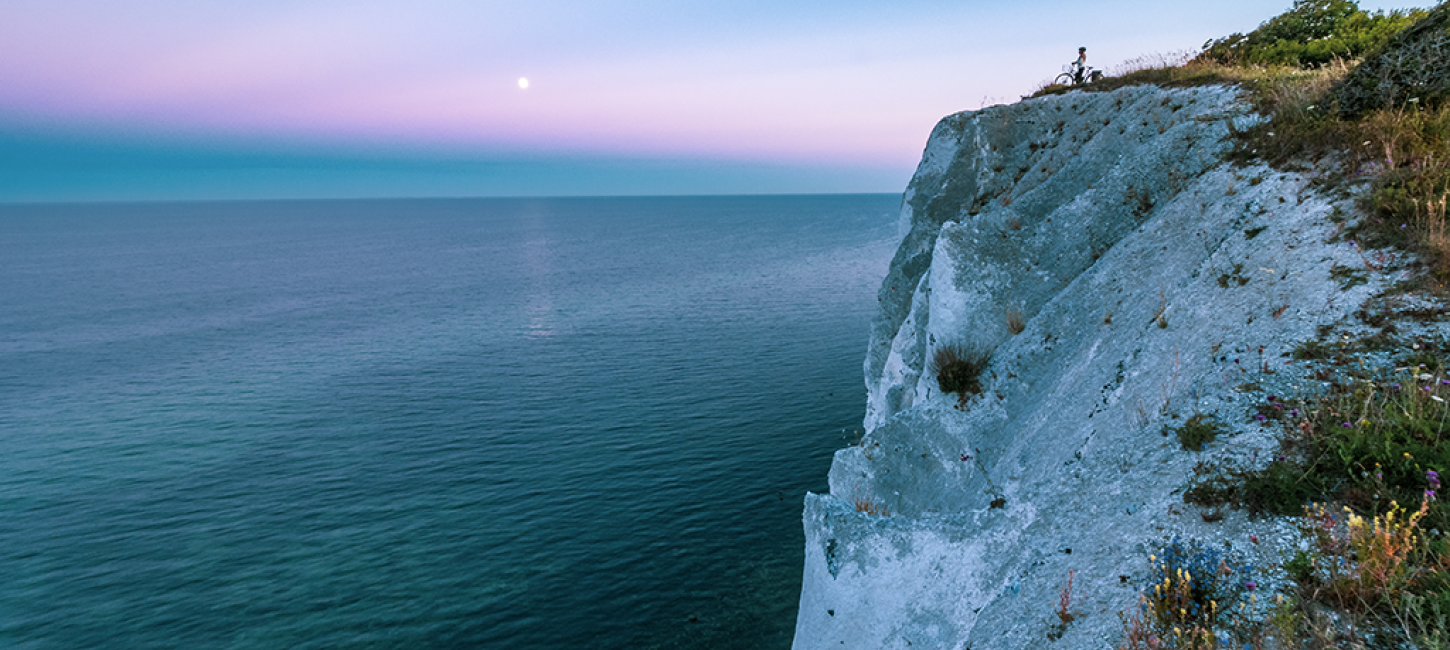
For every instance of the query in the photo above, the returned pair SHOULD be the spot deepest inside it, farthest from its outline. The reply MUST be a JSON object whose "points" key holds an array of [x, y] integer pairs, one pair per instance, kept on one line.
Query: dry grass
{"points": [[870, 506], [1016, 321]]}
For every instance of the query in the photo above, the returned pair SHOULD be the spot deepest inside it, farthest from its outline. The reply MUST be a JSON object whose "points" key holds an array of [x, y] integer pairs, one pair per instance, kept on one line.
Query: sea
{"points": [[453, 423]]}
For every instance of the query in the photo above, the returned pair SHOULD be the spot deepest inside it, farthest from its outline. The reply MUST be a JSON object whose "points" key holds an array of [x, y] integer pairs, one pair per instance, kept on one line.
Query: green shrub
{"points": [[1312, 33], [1413, 64]]}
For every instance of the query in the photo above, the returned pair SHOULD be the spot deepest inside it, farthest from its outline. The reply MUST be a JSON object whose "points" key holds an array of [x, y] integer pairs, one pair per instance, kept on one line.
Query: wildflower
{"points": [[1251, 585], [1261, 417], [1254, 539], [1433, 478], [1271, 398], [1436, 398], [1430, 494], [1424, 376], [1347, 425]]}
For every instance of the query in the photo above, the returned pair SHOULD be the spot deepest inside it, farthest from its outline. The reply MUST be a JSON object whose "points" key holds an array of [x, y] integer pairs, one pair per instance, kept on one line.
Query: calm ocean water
{"points": [[561, 423]]}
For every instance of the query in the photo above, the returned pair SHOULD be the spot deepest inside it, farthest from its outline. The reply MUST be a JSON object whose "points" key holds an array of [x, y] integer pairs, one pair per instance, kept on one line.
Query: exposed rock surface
{"points": [[1155, 282]]}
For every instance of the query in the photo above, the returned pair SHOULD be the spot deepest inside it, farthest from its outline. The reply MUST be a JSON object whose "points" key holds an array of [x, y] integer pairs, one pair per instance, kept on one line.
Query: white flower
{"points": [[1436, 398]]}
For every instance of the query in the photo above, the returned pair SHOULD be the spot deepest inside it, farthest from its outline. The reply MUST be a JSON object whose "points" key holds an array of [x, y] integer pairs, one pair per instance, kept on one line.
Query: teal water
{"points": [[561, 423]]}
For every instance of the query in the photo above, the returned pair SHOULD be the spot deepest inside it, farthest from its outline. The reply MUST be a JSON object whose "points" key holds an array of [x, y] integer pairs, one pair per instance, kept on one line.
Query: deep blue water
{"points": [[552, 423]]}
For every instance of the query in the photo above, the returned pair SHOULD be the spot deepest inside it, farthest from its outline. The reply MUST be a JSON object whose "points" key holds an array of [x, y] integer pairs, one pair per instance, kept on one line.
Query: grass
{"points": [[870, 506], [958, 369], [1196, 432], [1015, 320]]}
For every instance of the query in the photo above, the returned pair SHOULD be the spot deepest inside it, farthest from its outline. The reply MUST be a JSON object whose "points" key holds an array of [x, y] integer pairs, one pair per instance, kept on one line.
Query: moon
{"points": [[523, 83]]}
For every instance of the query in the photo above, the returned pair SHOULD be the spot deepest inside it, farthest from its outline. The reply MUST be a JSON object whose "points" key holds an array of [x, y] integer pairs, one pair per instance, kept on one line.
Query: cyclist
{"points": [[1080, 65]]}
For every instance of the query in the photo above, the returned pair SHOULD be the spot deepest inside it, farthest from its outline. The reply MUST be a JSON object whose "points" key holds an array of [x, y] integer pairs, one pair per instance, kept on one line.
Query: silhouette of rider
{"points": [[1080, 65]]}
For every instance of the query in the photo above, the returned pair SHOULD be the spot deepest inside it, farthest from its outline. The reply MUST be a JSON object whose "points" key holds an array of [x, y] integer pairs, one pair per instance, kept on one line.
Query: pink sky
{"points": [[806, 83]]}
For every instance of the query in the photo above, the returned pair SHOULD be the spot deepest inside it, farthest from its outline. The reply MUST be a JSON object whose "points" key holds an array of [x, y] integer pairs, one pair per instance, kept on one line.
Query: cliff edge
{"points": [[1123, 277]]}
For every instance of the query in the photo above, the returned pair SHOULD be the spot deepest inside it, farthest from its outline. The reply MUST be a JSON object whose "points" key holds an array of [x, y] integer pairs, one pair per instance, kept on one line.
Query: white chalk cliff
{"points": [[1155, 281]]}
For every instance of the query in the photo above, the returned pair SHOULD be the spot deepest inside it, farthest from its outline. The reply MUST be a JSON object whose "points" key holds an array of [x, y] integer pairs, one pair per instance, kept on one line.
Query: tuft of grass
{"points": [[1064, 602], [958, 369], [1015, 320], [870, 506], [1064, 612], [1196, 432]]}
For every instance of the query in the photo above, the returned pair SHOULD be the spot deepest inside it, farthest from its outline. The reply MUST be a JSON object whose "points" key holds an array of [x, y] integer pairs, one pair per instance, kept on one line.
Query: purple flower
{"points": [[1430, 494], [1294, 412], [1346, 425], [1261, 417], [1271, 398], [1394, 385], [1251, 585], [1433, 479], [1281, 458]]}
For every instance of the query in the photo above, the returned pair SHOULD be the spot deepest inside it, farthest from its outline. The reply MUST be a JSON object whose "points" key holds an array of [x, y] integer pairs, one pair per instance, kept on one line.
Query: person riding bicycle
{"points": [[1080, 65]]}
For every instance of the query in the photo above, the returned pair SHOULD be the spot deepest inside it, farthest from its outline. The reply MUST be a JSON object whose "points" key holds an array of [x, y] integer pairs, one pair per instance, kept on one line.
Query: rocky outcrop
{"points": [[1154, 281]]}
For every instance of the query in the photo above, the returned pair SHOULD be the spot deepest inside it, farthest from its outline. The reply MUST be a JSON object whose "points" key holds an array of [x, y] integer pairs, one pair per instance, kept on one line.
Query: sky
{"points": [[229, 99]]}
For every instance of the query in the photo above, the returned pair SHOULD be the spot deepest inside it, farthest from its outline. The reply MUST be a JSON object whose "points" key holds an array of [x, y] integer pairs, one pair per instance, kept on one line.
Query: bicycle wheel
{"points": [[1064, 79]]}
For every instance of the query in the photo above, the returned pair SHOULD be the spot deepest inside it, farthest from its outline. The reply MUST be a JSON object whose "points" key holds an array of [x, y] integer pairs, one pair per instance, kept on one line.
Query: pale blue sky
{"points": [[182, 99]]}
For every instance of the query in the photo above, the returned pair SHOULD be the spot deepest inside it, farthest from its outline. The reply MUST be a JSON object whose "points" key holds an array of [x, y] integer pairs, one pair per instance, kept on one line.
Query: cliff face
{"points": [[1154, 280]]}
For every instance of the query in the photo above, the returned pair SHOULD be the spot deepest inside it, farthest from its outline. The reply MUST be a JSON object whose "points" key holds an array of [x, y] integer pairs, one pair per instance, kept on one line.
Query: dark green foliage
{"points": [[1313, 350], [1197, 431], [1281, 488], [958, 369], [1348, 277], [1300, 567], [1413, 64], [1311, 34]]}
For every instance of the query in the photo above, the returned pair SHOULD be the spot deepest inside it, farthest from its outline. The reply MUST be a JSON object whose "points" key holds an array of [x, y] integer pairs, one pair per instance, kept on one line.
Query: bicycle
{"points": [[1069, 76]]}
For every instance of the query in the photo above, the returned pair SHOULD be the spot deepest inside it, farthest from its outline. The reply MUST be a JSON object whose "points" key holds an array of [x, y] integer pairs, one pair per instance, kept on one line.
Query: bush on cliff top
{"points": [[1312, 33], [1413, 65]]}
